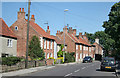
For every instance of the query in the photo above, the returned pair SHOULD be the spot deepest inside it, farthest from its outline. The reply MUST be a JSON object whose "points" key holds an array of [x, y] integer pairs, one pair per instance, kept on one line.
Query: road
{"points": [[76, 70]]}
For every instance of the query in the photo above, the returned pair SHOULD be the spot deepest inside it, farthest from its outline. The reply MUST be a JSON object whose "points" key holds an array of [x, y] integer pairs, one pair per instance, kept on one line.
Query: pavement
{"points": [[118, 70], [31, 70]]}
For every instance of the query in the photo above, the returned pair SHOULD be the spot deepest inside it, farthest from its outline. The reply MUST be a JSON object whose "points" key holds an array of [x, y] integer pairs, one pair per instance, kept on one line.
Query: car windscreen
{"points": [[110, 61], [87, 58]]}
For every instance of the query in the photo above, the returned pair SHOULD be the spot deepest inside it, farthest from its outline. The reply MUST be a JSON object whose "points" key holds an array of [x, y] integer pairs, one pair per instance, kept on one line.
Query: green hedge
{"points": [[69, 57], [10, 60]]}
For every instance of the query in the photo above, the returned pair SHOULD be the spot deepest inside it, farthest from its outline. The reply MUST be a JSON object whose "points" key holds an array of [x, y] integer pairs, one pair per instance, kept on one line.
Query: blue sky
{"points": [[83, 16]]}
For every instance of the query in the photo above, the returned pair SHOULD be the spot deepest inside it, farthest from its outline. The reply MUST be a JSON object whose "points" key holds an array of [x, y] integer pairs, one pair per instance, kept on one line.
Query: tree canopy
{"points": [[104, 40], [112, 26], [35, 51]]}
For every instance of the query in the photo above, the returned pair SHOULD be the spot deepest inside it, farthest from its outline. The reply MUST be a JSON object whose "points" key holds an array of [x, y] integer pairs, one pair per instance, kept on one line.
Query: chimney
{"points": [[65, 29], [21, 14], [48, 30], [80, 34], [85, 37], [22, 9], [74, 32], [85, 33], [97, 40], [32, 18], [70, 30]]}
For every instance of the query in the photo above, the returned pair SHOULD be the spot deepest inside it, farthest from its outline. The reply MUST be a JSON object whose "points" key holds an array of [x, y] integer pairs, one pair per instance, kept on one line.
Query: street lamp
{"points": [[64, 34]]}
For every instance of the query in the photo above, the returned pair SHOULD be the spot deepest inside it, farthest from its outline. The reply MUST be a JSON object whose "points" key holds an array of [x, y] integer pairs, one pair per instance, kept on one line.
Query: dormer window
{"points": [[16, 28]]}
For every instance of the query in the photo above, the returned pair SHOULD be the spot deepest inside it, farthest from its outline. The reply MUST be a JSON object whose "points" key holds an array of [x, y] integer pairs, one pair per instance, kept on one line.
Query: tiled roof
{"points": [[5, 30], [39, 30], [80, 40], [84, 42], [58, 40]]}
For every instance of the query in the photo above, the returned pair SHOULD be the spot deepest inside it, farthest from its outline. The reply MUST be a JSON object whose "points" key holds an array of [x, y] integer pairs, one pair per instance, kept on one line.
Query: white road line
{"points": [[77, 70], [68, 75], [83, 67]]}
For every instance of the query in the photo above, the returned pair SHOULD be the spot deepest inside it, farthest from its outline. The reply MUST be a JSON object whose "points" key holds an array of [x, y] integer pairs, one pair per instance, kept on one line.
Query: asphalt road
{"points": [[80, 70]]}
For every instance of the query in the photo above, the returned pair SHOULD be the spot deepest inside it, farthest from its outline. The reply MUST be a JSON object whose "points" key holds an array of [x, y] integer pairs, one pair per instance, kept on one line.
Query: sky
{"points": [[83, 16]]}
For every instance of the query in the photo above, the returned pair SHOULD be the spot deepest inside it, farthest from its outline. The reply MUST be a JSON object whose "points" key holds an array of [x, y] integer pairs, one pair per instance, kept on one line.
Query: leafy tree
{"points": [[60, 52], [104, 39], [35, 50], [112, 26]]}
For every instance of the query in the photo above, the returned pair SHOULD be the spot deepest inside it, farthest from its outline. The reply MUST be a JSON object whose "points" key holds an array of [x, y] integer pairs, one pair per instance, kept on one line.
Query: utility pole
{"points": [[64, 35], [26, 61]]}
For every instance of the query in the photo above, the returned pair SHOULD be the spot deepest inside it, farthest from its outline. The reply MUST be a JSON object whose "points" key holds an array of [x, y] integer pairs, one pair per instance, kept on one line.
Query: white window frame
{"points": [[51, 44], [89, 49], [41, 42], [83, 47], [80, 47], [16, 27], [76, 47], [9, 42], [47, 44], [44, 43], [47, 55]]}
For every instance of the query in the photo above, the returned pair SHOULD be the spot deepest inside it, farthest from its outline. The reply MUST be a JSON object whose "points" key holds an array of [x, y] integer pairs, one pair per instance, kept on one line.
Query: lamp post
{"points": [[64, 34]]}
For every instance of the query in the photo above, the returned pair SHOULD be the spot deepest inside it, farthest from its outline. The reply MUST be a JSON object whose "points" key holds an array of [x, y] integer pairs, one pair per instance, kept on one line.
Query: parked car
{"points": [[87, 59], [108, 63]]}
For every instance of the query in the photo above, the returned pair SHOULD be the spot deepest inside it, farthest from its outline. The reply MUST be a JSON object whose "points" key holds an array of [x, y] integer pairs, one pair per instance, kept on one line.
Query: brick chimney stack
{"points": [[74, 32], [48, 30], [70, 30], [80, 34], [32, 18], [21, 14], [65, 29]]}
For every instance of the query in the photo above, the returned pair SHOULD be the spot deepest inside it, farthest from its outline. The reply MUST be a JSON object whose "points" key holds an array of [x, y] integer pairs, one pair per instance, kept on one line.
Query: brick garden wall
{"points": [[21, 65]]}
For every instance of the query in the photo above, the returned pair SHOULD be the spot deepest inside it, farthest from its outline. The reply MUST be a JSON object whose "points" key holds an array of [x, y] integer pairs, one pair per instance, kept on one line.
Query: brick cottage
{"points": [[20, 30]]}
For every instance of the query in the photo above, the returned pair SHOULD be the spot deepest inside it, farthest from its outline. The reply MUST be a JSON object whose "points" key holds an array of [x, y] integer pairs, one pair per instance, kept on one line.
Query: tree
{"points": [[60, 52], [112, 26], [35, 50], [104, 39]]}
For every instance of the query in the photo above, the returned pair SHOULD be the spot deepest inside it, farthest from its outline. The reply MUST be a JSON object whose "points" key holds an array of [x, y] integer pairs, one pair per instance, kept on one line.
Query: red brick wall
{"points": [[21, 34]]}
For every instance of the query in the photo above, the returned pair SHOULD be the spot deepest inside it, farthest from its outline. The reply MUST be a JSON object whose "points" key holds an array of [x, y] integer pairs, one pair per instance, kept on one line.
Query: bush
{"points": [[69, 57], [10, 60]]}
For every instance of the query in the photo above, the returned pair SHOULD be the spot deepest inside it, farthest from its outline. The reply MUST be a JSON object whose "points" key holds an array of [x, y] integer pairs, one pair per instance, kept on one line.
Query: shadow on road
{"points": [[104, 70]]}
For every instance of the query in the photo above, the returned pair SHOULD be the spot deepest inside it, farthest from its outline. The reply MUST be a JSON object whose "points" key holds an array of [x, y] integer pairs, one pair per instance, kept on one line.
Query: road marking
{"points": [[68, 75], [83, 67], [77, 70]]}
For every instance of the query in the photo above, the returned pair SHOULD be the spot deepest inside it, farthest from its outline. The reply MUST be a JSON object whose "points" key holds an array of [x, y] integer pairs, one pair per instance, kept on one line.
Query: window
{"points": [[86, 48], [41, 42], [16, 28], [50, 54], [89, 49], [48, 44], [47, 55], [51, 45], [9, 43], [76, 47], [83, 47], [44, 43], [80, 47], [80, 55]]}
